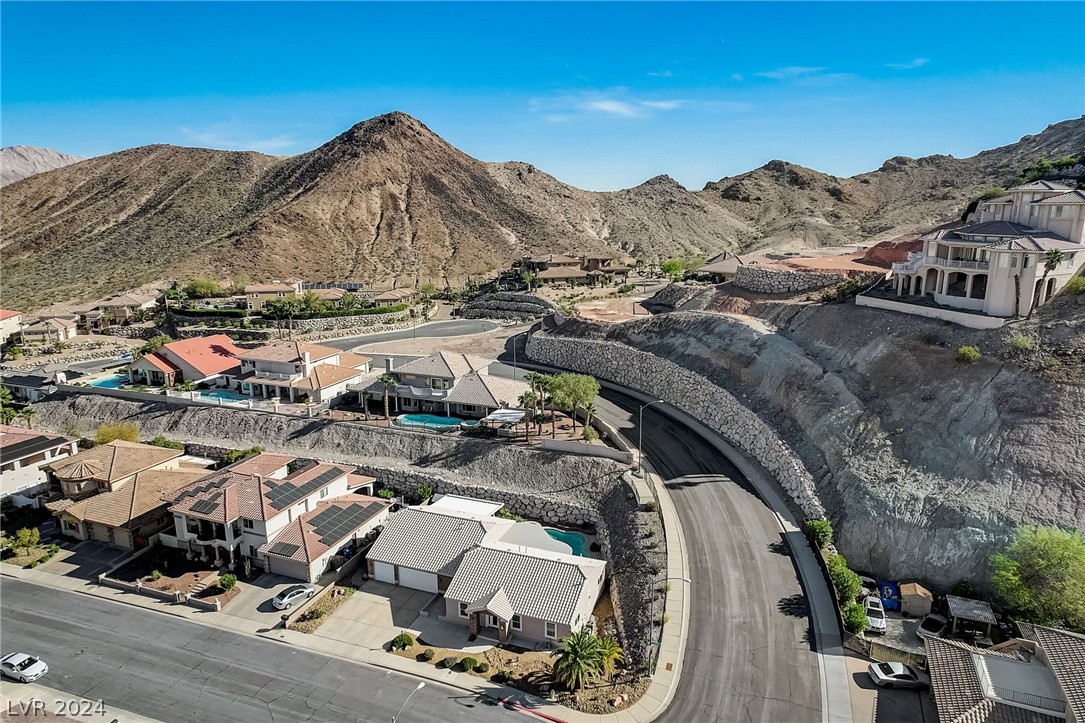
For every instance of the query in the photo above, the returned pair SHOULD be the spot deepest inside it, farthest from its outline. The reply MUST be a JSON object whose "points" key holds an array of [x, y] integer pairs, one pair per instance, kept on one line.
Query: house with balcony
{"points": [[294, 371], [201, 359], [269, 512], [23, 455], [450, 384], [10, 323], [109, 467], [256, 295], [995, 263]]}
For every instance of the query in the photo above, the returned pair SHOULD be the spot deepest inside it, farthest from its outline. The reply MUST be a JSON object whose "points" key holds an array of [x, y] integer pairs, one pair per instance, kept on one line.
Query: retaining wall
{"points": [[330, 323], [780, 281], [972, 321]]}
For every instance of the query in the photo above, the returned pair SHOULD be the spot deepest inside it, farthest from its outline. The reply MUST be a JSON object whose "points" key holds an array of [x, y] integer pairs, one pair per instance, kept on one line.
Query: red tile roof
{"points": [[8, 313], [160, 362], [207, 354]]}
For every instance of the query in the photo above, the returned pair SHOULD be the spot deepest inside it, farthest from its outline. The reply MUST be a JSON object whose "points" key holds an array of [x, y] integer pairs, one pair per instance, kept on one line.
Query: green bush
{"points": [[402, 641], [590, 434], [424, 492], [450, 662], [506, 515], [967, 354], [1076, 285], [468, 663], [231, 313], [227, 581], [1020, 342], [386, 493], [500, 677], [822, 531], [312, 614], [963, 588], [854, 618], [203, 287], [236, 455], [161, 441], [845, 582], [482, 668], [156, 575], [993, 192], [427, 654]]}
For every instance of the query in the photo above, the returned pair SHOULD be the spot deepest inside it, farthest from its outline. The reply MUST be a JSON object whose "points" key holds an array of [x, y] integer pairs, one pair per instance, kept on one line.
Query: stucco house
{"points": [[256, 295], [51, 329], [23, 454], [108, 467], [199, 359], [449, 383], [395, 296], [498, 577], [10, 322], [293, 369], [124, 307], [995, 263], [27, 387], [262, 513]]}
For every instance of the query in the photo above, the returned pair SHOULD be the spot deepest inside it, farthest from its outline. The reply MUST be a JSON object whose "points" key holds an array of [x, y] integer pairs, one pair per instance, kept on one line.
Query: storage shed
{"points": [[915, 600]]}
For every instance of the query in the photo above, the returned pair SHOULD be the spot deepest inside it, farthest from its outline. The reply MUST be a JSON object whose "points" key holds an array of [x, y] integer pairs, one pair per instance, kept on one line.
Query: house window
{"points": [[1013, 262], [323, 493], [1032, 210], [517, 624], [551, 630], [247, 524], [1058, 211], [469, 407], [463, 610], [1027, 262], [252, 550]]}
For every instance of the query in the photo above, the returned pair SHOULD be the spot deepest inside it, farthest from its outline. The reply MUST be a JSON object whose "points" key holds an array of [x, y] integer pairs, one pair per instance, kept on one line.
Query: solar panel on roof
{"points": [[283, 548], [286, 494], [335, 523], [202, 507]]}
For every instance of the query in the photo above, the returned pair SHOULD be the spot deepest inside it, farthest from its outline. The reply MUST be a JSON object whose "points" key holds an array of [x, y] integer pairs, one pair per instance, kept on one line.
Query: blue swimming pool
{"points": [[114, 382], [573, 539], [224, 396], [428, 421]]}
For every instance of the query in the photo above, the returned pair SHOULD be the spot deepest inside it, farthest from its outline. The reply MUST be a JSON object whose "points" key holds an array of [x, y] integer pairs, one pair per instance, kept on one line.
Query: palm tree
{"points": [[5, 396], [1051, 260], [578, 659], [7, 415], [610, 655], [366, 396], [388, 381], [527, 401], [1016, 295], [27, 414], [589, 411]]}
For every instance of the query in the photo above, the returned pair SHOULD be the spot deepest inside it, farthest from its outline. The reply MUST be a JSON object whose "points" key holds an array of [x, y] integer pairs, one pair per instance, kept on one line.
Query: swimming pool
{"points": [[114, 382], [224, 396], [428, 421], [573, 539]]}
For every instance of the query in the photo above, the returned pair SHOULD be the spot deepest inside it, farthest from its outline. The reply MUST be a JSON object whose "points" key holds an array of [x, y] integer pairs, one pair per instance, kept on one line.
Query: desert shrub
{"points": [[500, 677], [845, 582], [854, 618], [1020, 342], [424, 492], [402, 641], [967, 354], [963, 588], [482, 668], [312, 614], [236, 455], [386, 493], [427, 654], [227, 581], [590, 434], [469, 663], [822, 530], [450, 662], [156, 575], [161, 441], [203, 287], [126, 431], [1076, 285], [506, 515], [993, 192], [232, 313]]}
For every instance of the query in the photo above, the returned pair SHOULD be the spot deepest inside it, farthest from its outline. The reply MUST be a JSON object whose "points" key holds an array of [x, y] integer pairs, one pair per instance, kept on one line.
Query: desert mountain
{"points": [[388, 199], [19, 162], [786, 204]]}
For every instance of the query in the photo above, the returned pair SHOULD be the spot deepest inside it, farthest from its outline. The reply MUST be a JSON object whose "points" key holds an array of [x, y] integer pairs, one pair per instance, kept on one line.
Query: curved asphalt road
{"points": [[169, 669], [449, 327], [749, 655]]}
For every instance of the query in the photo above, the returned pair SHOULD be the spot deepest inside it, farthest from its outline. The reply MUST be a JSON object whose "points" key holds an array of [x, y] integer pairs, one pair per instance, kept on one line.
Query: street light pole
{"points": [[652, 619], [515, 371], [640, 435], [421, 685]]}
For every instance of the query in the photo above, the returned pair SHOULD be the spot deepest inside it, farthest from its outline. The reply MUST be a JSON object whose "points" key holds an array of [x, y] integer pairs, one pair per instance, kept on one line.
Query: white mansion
{"points": [[994, 264]]}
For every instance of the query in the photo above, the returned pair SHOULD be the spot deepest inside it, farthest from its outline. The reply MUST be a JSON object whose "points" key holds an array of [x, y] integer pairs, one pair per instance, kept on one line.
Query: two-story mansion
{"points": [[293, 369], [995, 264], [274, 513]]}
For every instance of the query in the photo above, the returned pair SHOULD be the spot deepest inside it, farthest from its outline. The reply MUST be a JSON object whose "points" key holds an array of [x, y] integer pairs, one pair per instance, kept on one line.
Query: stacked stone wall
{"points": [[782, 281]]}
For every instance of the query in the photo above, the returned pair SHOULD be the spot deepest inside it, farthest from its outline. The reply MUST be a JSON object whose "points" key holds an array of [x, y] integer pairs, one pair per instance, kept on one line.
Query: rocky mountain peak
{"points": [[19, 162]]}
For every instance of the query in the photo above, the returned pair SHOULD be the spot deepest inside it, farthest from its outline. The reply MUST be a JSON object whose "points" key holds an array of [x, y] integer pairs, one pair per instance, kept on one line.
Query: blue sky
{"points": [[601, 95]]}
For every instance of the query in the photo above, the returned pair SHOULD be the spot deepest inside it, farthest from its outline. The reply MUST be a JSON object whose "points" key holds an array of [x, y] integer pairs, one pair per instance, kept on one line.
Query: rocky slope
{"points": [[388, 199], [923, 465], [786, 204], [19, 162]]}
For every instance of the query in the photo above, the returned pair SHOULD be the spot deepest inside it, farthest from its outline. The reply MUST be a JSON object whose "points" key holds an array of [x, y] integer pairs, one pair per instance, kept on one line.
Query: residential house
{"points": [[48, 330], [332, 296], [23, 454], [10, 323], [119, 309], [108, 467], [127, 516], [995, 264], [498, 577], [262, 513], [1036, 678], [392, 297], [26, 388], [551, 261], [294, 369], [201, 359], [256, 295], [600, 267], [449, 383], [562, 275]]}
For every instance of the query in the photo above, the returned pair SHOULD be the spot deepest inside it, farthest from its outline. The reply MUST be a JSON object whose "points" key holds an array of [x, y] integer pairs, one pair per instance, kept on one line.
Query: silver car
{"points": [[932, 626], [875, 615], [897, 675], [23, 667], [295, 593]]}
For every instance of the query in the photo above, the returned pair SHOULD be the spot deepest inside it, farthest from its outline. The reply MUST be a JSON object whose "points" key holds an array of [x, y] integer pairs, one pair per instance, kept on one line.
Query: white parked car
{"points": [[897, 675], [23, 667], [295, 593], [875, 615], [932, 626]]}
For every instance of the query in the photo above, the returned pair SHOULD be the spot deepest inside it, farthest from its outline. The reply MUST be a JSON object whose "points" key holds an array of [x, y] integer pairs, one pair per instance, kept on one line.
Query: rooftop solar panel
{"points": [[283, 548], [29, 446], [335, 523], [282, 496], [202, 507]]}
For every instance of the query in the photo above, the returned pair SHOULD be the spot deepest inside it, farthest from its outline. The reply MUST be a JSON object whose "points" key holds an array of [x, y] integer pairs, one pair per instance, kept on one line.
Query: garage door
{"points": [[384, 572], [288, 568], [101, 532], [418, 580]]}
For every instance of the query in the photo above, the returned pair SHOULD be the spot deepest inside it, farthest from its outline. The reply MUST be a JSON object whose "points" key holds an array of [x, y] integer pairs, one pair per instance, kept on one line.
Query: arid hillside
{"points": [[19, 162]]}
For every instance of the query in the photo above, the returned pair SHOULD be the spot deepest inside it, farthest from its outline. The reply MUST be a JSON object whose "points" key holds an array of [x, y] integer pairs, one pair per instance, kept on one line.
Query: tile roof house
{"points": [[979, 267], [10, 322], [129, 515], [232, 515], [449, 383], [256, 295], [293, 369], [50, 329], [108, 467], [23, 455], [509, 577], [199, 359], [395, 296], [1034, 679]]}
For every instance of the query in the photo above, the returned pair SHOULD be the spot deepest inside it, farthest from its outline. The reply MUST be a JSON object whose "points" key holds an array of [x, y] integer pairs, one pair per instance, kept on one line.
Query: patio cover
{"points": [[978, 611], [505, 416]]}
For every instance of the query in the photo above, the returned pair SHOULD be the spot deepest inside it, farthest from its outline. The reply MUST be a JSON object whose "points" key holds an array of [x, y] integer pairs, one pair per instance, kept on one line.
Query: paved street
{"points": [[748, 657], [168, 669], [451, 327]]}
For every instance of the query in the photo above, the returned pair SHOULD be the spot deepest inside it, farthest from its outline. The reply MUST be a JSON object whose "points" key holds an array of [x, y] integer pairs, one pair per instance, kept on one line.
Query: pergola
{"points": [[977, 611]]}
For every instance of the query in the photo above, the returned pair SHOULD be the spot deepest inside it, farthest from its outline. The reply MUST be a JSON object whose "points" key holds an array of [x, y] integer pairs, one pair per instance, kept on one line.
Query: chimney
{"points": [[388, 364], [305, 358]]}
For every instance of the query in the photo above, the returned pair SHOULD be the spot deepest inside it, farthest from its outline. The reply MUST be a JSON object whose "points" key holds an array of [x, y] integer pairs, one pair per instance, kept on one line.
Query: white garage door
{"points": [[384, 572], [418, 580]]}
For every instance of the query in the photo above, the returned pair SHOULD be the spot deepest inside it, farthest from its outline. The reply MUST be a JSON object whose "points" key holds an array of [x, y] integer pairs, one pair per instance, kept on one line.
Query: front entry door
{"points": [[489, 621]]}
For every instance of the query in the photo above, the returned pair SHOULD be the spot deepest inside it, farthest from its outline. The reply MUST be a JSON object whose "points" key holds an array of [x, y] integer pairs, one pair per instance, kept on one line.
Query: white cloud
{"points": [[612, 107], [737, 76], [661, 74], [221, 136], [791, 71], [918, 62], [663, 104]]}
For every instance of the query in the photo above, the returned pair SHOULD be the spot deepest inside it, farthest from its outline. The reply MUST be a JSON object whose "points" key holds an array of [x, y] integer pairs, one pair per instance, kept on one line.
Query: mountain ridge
{"points": [[19, 162]]}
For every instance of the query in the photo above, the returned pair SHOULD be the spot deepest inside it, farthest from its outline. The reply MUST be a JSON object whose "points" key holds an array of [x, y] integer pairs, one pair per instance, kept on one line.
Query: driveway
{"points": [[877, 705], [375, 614], [85, 560], [254, 601]]}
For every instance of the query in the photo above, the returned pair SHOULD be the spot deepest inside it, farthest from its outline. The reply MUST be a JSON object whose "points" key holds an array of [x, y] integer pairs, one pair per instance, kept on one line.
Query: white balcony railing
{"points": [[276, 375], [916, 260]]}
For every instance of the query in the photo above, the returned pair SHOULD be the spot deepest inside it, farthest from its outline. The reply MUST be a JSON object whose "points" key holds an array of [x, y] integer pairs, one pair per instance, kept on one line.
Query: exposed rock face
{"points": [[19, 162], [924, 466]]}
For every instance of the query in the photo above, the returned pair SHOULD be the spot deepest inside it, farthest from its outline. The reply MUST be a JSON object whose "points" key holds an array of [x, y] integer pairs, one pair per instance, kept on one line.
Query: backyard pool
{"points": [[114, 382], [428, 421], [573, 539], [224, 396]]}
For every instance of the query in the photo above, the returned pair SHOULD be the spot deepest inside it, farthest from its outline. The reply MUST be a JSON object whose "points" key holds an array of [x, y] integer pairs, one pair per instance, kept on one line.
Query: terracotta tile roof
{"points": [[262, 464], [1065, 654], [327, 375], [159, 362], [330, 525], [207, 354], [357, 480], [349, 359], [1036, 242], [148, 491], [395, 295], [113, 461], [1071, 198], [995, 228], [127, 300], [328, 294], [555, 259], [52, 323], [445, 365], [562, 272], [1042, 186], [487, 391], [16, 442], [289, 351], [267, 288], [8, 314]]}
